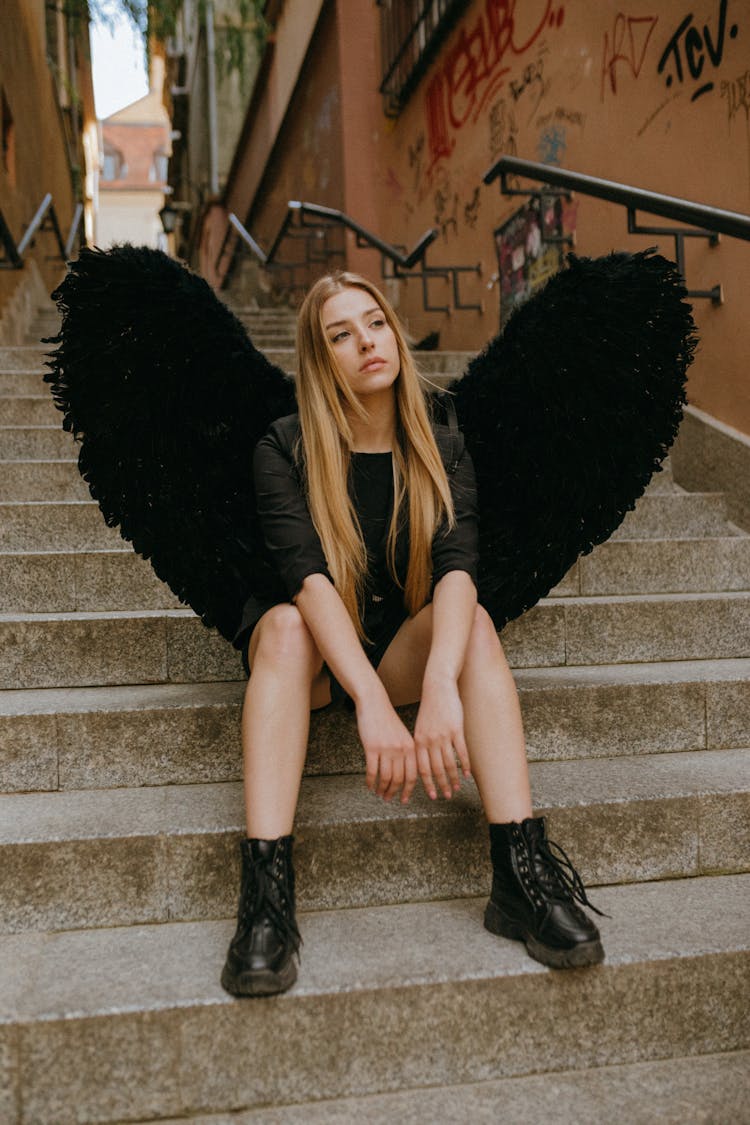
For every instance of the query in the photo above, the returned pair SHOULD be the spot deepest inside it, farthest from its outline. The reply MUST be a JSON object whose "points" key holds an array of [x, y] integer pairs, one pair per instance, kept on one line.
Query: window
{"points": [[410, 33], [114, 166], [157, 173]]}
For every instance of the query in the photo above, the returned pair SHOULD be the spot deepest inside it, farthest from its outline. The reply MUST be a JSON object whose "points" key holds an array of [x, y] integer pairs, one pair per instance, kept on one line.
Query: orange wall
{"points": [[306, 162], [605, 88], [41, 160], [579, 85]]}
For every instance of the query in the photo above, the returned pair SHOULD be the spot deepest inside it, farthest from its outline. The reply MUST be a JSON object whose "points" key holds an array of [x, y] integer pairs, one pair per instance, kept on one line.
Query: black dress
{"points": [[295, 551]]}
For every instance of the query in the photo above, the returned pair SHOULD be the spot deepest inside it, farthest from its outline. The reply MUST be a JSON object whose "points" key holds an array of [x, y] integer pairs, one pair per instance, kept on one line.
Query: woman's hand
{"points": [[389, 750], [439, 737]]}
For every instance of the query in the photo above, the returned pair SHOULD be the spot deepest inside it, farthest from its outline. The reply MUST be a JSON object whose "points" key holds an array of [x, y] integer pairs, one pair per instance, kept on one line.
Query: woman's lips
{"points": [[376, 361]]}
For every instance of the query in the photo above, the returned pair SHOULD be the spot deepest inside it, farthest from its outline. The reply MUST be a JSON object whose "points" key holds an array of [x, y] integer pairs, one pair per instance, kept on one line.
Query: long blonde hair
{"points": [[419, 476]]}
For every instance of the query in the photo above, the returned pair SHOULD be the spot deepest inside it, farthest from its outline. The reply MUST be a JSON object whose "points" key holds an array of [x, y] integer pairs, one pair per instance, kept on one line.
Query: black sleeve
{"points": [[290, 537], [458, 549]]}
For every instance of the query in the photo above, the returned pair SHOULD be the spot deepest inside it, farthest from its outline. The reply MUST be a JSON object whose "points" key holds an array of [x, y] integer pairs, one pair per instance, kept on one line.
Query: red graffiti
{"points": [[630, 36], [473, 69]]}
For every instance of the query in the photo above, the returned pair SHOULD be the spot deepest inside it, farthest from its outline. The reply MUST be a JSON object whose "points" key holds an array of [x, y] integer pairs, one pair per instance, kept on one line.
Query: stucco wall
{"points": [[654, 95], [40, 156], [307, 160]]}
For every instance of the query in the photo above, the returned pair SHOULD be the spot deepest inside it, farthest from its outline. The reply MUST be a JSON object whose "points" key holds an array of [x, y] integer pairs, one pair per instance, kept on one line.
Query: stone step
{"points": [[29, 410], [675, 515], [678, 1091], [36, 443], [156, 646], [42, 480], [86, 858], [132, 1024], [25, 357], [67, 581], [59, 525], [176, 734], [23, 383], [650, 566]]}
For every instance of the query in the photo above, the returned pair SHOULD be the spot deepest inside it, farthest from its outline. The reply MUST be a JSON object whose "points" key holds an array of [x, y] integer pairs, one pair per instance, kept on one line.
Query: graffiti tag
{"points": [[476, 66], [627, 44], [737, 94], [693, 49], [503, 129], [552, 144], [446, 210], [471, 210]]}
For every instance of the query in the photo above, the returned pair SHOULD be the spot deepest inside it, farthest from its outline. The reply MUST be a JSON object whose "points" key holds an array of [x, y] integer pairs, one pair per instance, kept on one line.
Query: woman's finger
{"points": [[438, 769], [410, 777], [459, 745], [449, 761], [397, 780], [384, 779], [425, 772], [371, 762]]}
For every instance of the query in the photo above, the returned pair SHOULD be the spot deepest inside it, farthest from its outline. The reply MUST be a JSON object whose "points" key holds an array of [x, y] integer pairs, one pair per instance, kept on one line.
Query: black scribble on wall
{"points": [[690, 53]]}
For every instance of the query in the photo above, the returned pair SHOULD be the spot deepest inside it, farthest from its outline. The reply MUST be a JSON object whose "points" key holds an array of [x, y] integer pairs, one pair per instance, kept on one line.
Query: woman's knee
{"points": [[483, 639], [282, 634]]}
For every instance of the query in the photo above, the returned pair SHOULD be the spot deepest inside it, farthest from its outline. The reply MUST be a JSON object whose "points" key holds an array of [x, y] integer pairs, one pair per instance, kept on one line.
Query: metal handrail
{"points": [[330, 214], [45, 218], [328, 217], [713, 220], [705, 222]]}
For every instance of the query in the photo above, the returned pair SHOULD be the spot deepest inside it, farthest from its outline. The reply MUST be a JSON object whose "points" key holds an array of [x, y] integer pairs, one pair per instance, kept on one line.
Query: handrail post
{"points": [[34, 225], [12, 259]]}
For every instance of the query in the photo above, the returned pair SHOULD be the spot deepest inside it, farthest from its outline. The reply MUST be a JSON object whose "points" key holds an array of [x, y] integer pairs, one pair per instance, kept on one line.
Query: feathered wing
{"points": [[568, 414], [168, 396]]}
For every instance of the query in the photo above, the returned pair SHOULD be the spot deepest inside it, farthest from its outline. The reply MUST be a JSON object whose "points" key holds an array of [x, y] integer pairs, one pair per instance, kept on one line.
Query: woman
{"points": [[369, 516]]}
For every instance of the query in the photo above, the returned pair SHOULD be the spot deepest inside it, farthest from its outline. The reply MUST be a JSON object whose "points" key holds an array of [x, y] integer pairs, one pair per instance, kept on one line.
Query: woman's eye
{"points": [[378, 323], [339, 336]]}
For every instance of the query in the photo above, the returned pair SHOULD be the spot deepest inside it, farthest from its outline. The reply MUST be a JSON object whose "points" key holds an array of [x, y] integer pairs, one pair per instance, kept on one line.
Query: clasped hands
{"points": [[394, 759]]}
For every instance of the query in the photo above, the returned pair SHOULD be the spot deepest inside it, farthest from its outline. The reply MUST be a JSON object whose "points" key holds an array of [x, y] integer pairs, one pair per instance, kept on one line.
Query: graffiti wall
{"points": [[656, 95]]}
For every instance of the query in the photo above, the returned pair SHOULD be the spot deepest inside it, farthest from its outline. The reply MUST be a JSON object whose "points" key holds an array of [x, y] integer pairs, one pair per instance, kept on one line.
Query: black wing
{"points": [[168, 396], [568, 414]]}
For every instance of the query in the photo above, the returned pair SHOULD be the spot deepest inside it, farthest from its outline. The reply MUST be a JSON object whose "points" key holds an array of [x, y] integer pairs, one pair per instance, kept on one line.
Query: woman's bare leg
{"points": [[287, 681], [492, 716]]}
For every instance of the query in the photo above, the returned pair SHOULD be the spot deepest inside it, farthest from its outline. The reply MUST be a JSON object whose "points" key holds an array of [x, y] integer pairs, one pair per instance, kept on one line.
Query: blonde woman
{"points": [[369, 516]]}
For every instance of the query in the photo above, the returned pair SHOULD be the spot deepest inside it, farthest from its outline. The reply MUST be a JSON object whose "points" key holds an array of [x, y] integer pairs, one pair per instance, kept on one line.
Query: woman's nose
{"points": [[365, 340]]}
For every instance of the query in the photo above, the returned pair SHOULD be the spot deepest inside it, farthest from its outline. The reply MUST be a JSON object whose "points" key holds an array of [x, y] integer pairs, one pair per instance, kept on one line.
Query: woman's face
{"points": [[362, 340]]}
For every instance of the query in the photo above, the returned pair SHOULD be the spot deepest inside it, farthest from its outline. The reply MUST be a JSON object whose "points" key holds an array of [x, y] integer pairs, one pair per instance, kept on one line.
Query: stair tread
{"points": [[217, 807], [38, 701], [678, 1091], [357, 950], [563, 602]]}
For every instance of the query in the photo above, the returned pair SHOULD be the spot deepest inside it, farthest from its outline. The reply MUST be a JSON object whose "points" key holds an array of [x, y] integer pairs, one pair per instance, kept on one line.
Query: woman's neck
{"points": [[377, 434]]}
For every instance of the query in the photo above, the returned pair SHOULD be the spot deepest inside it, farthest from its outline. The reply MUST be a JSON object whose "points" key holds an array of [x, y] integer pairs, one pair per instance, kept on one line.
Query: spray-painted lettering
{"points": [[476, 66], [737, 94], [693, 51], [626, 44], [552, 144]]}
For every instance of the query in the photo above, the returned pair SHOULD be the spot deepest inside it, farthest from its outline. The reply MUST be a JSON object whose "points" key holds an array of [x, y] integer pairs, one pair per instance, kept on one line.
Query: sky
{"points": [[119, 67]]}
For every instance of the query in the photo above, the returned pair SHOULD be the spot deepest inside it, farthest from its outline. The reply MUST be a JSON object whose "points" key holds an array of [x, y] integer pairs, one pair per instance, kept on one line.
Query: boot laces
{"points": [[560, 878], [269, 899]]}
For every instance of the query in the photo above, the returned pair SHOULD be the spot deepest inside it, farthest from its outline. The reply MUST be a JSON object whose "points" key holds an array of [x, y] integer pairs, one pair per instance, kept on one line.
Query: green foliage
{"points": [[159, 18]]}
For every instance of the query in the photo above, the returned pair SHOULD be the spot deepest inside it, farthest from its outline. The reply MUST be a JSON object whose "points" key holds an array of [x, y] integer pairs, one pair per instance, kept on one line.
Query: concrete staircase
{"points": [[120, 769]]}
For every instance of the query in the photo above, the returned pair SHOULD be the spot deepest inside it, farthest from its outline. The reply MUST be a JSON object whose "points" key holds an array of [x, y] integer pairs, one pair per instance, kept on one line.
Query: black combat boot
{"points": [[261, 954], [534, 895]]}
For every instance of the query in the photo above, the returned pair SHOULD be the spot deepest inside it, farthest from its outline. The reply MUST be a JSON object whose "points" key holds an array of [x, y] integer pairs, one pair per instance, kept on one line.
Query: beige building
{"points": [[135, 150]]}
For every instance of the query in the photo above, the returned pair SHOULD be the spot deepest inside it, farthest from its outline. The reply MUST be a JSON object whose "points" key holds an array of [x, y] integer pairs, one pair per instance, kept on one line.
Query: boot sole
{"points": [[258, 982], [581, 955]]}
